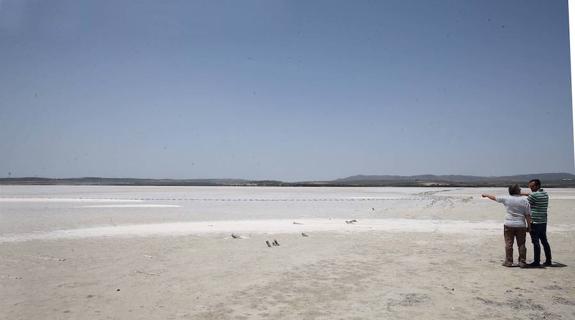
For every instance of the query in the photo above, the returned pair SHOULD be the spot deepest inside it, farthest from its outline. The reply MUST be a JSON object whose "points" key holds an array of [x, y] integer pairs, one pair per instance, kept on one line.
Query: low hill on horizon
{"points": [[548, 179], [566, 180]]}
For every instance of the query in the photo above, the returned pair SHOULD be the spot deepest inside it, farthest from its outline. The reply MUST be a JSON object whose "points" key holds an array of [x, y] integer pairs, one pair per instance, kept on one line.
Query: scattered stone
{"points": [[408, 300], [449, 289], [303, 234], [561, 300], [544, 315], [297, 222], [276, 243], [147, 273], [553, 287], [268, 243], [235, 236], [350, 221], [117, 289]]}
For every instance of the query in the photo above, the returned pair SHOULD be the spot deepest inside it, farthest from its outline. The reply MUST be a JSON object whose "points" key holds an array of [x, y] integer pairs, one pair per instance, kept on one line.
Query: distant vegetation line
{"points": [[564, 180]]}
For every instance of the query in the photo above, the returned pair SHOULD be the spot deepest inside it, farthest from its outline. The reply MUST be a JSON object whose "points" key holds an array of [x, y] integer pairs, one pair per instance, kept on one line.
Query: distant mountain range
{"points": [[565, 180], [548, 179]]}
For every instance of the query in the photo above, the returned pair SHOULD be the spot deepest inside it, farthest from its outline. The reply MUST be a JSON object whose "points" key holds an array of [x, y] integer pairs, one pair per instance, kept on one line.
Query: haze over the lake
{"points": [[289, 90]]}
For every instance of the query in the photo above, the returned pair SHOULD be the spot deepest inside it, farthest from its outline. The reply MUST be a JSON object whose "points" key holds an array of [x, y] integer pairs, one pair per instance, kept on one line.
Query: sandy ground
{"points": [[77, 253]]}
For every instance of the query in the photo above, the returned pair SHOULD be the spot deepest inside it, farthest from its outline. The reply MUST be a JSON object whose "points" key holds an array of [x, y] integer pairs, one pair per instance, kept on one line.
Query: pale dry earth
{"points": [[153, 253]]}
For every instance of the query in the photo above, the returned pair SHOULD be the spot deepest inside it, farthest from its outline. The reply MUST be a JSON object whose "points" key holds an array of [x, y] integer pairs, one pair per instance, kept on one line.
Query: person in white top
{"points": [[517, 222]]}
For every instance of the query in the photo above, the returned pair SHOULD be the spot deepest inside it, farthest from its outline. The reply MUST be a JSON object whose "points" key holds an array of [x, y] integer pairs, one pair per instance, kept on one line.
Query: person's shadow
{"points": [[557, 265], [553, 265]]}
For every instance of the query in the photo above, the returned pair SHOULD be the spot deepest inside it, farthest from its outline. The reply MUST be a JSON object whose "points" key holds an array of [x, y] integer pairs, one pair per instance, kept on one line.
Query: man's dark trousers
{"points": [[539, 233]]}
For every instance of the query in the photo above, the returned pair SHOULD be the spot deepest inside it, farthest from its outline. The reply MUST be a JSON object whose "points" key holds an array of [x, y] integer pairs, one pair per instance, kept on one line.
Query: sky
{"points": [[287, 90]]}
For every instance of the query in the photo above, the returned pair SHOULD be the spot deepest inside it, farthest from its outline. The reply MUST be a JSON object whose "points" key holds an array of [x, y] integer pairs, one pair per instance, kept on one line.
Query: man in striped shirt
{"points": [[539, 202]]}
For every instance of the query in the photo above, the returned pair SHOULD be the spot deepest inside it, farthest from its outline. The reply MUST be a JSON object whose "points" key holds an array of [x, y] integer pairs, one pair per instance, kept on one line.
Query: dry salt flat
{"points": [[93, 252]]}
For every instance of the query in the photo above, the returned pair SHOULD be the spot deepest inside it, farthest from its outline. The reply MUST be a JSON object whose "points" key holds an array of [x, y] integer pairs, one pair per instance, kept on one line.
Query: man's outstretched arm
{"points": [[490, 196]]}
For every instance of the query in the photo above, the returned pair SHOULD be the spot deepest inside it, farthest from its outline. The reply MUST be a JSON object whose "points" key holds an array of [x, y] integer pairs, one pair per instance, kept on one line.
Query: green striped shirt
{"points": [[539, 201]]}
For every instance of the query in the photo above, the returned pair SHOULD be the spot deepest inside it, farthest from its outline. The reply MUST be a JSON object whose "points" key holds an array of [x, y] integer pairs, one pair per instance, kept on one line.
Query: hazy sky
{"points": [[291, 90]]}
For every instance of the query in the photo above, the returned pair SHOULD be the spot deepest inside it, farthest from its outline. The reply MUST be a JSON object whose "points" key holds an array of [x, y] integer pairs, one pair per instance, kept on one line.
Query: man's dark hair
{"points": [[536, 181], [514, 189]]}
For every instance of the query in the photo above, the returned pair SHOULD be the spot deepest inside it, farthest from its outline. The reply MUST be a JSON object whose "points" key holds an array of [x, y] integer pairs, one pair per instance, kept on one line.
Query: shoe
{"points": [[522, 265], [534, 265], [507, 264], [547, 263]]}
